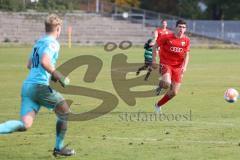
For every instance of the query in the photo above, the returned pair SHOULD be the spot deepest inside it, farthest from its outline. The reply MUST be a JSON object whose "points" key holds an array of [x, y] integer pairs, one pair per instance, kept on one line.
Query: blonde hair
{"points": [[51, 22]]}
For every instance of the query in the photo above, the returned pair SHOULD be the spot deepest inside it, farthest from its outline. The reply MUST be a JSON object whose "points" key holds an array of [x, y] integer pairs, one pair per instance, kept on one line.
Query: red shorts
{"points": [[175, 72]]}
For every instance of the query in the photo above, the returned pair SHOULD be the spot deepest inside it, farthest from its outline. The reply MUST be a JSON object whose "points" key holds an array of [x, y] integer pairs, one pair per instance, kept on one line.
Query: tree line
{"points": [[190, 9]]}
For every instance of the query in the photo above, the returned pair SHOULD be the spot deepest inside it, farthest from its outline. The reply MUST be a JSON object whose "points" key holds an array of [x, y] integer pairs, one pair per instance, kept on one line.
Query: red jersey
{"points": [[173, 49], [162, 32]]}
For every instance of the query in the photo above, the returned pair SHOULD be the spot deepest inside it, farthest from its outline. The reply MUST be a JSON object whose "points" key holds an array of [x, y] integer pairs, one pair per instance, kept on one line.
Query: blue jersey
{"points": [[45, 45]]}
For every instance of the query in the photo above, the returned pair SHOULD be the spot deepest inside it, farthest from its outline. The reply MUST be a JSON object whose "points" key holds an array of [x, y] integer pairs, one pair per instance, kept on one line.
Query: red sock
{"points": [[164, 100]]}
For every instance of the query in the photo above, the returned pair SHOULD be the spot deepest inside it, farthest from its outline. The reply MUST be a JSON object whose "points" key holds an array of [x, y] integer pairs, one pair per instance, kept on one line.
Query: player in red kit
{"points": [[174, 57], [160, 31]]}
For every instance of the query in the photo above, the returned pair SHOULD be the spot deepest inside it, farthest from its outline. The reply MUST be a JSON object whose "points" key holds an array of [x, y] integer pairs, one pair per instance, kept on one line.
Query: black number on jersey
{"points": [[35, 58]]}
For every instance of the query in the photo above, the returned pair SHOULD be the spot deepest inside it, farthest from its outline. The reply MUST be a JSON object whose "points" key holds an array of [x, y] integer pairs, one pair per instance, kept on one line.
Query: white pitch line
{"points": [[204, 142], [211, 123]]}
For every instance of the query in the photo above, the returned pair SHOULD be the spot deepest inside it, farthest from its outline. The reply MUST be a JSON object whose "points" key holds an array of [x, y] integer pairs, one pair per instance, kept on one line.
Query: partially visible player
{"points": [[36, 91], [148, 60], [160, 31], [174, 57]]}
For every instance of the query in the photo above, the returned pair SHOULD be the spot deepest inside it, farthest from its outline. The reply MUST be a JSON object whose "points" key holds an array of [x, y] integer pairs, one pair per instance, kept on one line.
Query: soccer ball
{"points": [[231, 95]]}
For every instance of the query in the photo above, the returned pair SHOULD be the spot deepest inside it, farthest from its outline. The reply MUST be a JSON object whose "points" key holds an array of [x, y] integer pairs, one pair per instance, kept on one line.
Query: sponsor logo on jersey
{"points": [[176, 49]]}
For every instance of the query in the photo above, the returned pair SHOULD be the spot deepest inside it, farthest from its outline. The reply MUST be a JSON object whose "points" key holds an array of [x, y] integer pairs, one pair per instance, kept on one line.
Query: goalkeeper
{"points": [[36, 91], [148, 60]]}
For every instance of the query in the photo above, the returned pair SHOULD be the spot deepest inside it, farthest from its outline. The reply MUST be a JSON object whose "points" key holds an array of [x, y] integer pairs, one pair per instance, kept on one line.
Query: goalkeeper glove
{"points": [[58, 77]]}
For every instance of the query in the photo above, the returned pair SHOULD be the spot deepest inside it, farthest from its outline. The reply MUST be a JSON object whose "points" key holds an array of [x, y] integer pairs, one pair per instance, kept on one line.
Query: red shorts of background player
{"points": [[175, 72]]}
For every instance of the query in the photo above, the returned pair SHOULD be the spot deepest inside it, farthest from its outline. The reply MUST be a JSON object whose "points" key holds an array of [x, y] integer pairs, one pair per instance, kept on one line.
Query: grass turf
{"points": [[212, 132]]}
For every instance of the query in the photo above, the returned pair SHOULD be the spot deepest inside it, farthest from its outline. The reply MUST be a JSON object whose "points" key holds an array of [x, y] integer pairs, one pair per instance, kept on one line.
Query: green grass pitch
{"points": [[212, 133]]}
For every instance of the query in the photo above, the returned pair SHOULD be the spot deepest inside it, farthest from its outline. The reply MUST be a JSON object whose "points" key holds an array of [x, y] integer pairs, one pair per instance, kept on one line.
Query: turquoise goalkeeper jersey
{"points": [[45, 45]]}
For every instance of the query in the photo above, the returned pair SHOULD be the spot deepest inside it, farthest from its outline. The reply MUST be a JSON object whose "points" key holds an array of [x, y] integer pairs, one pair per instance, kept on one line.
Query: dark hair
{"points": [[163, 20], [147, 44], [181, 21]]}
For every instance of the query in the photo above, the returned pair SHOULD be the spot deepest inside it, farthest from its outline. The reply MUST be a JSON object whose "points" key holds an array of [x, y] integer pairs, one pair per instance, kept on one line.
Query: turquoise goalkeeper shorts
{"points": [[36, 95]]}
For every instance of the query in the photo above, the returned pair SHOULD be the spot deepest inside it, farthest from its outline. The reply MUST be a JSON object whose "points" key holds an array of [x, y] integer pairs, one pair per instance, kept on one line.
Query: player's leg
{"points": [[176, 79], [11, 126], [18, 125], [28, 112], [148, 73], [174, 89], [62, 111], [29, 106], [165, 81], [52, 99], [141, 68], [149, 68], [164, 85], [28, 119]]}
